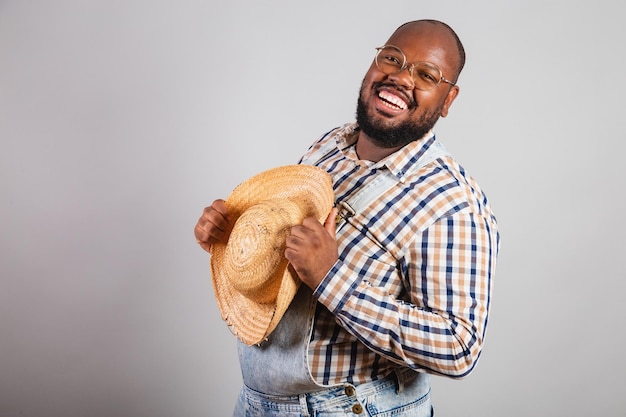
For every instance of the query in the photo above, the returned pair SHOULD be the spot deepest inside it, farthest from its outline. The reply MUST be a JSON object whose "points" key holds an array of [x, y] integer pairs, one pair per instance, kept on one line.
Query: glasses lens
{"points": [[390, 59], [426, 76]]}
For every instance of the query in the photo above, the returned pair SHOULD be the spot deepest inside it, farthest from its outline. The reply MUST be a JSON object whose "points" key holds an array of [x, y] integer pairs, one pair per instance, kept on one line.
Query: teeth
{"points": [[392, 99]]}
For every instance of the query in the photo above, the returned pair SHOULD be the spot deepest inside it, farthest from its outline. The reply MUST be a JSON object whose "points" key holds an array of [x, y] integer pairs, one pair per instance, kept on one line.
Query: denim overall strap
{"points": [[377, 187]]}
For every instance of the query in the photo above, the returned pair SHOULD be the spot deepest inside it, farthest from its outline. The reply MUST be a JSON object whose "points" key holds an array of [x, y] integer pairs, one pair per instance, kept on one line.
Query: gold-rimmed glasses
{"points": [[426, 76]]}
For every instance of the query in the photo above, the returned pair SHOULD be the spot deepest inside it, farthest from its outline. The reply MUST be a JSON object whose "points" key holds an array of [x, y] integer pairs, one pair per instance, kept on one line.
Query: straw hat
{"points": [[252, 280]]}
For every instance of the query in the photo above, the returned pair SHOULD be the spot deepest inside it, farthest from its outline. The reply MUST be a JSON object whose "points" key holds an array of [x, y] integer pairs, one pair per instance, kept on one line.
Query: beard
{"points": [[388, 135]]}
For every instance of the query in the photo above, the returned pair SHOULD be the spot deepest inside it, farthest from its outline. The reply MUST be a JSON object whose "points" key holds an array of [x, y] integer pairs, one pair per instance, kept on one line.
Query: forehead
{"points": [[424, 41]]}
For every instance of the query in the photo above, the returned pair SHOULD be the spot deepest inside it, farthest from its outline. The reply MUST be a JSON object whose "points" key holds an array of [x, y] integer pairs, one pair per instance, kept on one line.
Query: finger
{"points": [[207, 232], [296, 235], [217, 214], [311, 223], [330, 224], [212, 226], [205, 246], [220, 207], [293, 248]]}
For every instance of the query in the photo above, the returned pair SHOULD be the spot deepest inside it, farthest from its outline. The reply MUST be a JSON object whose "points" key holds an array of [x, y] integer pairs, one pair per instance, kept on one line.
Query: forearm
{"points": [[437, 321], [400, 331]]}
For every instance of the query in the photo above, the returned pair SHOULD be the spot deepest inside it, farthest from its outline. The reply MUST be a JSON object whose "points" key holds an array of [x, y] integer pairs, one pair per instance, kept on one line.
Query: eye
{"points": [[428, 76], [392, 60]]}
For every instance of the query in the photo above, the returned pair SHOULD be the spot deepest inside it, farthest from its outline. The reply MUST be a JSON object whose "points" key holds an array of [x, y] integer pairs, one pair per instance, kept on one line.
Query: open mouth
{"points": [[392, 101]]}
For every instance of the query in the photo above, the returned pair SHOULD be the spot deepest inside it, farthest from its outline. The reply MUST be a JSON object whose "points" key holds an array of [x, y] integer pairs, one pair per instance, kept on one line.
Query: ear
{"points": [[454, 91]]}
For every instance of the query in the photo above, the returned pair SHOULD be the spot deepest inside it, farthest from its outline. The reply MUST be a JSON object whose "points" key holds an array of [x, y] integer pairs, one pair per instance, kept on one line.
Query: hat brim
{"points": [[250, 321]]}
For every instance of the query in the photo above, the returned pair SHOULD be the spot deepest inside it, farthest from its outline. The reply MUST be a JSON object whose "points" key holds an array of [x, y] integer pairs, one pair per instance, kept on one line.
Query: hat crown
{"points": [[255, 251]]}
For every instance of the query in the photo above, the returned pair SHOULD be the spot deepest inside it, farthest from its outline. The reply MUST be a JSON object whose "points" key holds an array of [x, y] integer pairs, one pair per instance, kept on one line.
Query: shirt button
{"points": [[357, 408], [349, 391]]}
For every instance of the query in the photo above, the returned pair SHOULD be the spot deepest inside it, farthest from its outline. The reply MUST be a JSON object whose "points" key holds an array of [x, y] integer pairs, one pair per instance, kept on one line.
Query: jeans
{"points": [[405, 394]]}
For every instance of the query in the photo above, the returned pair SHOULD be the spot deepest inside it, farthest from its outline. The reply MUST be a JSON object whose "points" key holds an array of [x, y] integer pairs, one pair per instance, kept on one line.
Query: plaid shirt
{"points": [[413, 282]]}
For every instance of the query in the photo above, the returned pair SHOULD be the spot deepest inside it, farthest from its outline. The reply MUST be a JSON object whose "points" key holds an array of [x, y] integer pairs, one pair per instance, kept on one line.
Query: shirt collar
{"points": [[399, 163]]}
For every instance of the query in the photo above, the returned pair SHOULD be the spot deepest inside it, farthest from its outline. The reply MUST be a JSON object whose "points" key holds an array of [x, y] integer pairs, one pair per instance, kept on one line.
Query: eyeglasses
{"points": [[426, 76]]}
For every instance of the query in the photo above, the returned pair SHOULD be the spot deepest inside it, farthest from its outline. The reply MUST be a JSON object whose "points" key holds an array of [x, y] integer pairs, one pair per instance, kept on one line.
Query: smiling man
{"points": [[398, 279], [396, 107]]}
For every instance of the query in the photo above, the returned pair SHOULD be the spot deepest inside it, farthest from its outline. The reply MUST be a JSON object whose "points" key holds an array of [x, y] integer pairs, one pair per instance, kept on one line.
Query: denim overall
{"points": [[276, 375]]}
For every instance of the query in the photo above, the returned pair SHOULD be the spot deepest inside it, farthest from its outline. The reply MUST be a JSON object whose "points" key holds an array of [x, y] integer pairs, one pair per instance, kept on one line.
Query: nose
{"points": [[404, 77]]}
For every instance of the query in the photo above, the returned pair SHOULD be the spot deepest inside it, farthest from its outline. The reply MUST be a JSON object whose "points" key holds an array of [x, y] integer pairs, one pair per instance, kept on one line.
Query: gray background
{"points": [[121, 119]]}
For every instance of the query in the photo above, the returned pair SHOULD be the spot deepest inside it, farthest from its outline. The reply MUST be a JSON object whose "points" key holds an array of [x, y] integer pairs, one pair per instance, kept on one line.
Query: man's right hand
{"points": [[212, 226]]}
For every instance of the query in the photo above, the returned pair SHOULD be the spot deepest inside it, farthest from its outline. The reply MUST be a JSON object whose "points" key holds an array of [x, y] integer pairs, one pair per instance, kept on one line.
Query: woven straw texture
{"points": [[252, 280]]}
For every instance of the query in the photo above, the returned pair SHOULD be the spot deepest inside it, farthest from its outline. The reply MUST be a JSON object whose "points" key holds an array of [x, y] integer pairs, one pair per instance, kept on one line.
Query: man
{"points": [[401, 285]]}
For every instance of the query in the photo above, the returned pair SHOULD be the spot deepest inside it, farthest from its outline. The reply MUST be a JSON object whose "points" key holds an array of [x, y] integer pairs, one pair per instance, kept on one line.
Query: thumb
{"points": [[331, 225]]}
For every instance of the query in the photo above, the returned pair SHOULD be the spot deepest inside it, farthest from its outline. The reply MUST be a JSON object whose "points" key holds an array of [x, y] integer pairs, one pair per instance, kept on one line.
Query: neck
{"points": [[367, 149]]}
